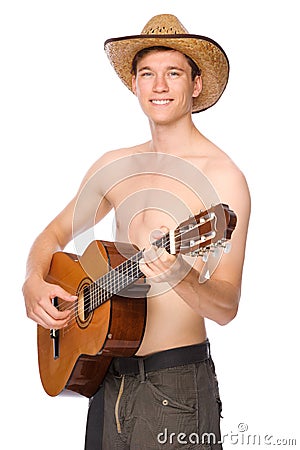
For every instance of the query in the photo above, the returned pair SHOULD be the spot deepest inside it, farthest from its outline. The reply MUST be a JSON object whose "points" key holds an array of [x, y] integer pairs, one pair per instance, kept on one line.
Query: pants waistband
{"points": [[166, 359]]}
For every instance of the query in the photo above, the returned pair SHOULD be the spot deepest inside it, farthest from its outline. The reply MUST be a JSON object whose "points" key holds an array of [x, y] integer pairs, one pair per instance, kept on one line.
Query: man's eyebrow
{"points": [[168, 68], [144, 68], [175, 68]]}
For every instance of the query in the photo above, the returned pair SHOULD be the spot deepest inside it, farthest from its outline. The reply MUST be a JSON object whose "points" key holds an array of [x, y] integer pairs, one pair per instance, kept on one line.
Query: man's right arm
{"points": [[38, 294]]}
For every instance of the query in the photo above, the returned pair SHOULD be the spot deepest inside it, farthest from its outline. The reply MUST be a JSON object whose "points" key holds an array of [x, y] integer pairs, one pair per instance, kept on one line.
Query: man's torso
{"points": [[155, 191]]}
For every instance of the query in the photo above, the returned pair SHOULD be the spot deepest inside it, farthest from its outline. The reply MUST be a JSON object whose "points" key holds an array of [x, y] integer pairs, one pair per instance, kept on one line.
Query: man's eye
{"points": [[174, 74], [146, 74]]}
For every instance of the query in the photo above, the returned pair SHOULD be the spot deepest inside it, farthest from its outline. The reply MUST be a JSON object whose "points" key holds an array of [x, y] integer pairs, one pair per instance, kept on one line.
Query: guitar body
{"points": [[77, 357]]}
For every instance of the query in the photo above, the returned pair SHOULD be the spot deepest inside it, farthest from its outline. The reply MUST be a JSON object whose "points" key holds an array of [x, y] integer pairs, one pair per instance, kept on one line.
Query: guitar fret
{"points": [[115, 280], [90, 295], [93, 296], [111, 282], [137, 269], [127, 277]]}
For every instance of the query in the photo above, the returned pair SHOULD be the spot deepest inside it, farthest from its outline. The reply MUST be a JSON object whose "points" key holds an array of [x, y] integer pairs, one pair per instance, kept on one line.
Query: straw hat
{"points": [[166, 30]]}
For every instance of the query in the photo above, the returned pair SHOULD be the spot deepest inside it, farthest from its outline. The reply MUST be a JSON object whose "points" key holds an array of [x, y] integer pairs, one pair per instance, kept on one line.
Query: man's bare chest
{"points": [[145, 203]]}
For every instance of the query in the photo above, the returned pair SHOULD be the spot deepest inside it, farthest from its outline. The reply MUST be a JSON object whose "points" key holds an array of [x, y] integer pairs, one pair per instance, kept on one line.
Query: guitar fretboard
{"points": [[117, 279]]}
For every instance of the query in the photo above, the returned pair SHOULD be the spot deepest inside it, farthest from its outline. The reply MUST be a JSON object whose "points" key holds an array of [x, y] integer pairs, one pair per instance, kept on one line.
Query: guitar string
{"points": [[115, 277], [112, 273], [121, 276], [134, 268], [132, 273]]}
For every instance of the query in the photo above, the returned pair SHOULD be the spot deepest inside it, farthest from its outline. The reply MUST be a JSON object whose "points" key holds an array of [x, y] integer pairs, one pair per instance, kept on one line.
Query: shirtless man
{"points": [[146, 403]]}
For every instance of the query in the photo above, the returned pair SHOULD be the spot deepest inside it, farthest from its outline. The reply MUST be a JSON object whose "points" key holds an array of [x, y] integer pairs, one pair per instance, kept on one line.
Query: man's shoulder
{"points": [[222, 170], [115, 154], [112, 156], [219, 161]]}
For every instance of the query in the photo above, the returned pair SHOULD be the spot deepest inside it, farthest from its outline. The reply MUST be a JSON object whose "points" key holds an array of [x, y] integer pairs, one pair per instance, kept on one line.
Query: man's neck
{"points": [[173, 138]]}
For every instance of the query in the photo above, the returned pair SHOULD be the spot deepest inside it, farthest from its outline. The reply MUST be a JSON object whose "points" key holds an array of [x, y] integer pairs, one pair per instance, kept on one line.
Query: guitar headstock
{"points": [[203, 232]]}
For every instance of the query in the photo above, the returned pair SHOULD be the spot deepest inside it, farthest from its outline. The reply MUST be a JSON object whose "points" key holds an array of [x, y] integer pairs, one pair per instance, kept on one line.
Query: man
{"points": [[167, 396]]}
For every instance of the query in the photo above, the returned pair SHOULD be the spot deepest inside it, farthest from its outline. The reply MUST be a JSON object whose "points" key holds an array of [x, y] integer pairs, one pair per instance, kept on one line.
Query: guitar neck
{"points": [[117, 279]]}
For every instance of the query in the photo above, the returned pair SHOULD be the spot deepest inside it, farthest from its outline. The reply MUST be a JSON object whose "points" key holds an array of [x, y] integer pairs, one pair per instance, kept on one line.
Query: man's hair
{"points": [[145, 51]]}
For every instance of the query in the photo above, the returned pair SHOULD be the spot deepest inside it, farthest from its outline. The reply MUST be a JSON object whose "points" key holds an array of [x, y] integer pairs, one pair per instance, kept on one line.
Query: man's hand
{"points": [[38, 295], [159, 266]]}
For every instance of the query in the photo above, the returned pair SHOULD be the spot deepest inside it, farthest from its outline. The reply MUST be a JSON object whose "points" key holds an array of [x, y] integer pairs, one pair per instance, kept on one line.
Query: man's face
{"points": [[164, 86]]}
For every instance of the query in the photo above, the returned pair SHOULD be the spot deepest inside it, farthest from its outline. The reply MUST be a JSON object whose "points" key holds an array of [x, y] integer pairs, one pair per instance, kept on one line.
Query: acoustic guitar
{"points": [[108, 318]]}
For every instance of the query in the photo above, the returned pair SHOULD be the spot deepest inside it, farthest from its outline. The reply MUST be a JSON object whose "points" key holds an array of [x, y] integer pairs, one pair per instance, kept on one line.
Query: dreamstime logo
{"points": [[239, 437]]}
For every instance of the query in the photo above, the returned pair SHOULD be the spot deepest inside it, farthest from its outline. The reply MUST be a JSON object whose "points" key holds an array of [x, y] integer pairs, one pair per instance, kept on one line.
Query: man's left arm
{"points": [[216, 298]]}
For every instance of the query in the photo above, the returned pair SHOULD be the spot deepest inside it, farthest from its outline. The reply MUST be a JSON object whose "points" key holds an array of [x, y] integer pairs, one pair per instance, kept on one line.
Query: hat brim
{"points": [[206, 53]]}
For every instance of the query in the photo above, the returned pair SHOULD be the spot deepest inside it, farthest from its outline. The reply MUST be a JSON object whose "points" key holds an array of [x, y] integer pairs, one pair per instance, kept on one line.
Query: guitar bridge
{"points": [[54, 334]]}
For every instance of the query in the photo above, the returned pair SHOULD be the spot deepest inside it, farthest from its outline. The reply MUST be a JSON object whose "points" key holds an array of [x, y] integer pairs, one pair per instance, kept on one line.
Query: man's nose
{"points": [[160, 84]]}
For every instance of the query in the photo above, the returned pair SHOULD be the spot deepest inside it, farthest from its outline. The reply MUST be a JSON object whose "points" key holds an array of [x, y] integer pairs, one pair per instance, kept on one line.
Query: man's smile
{"points": [[160, 101]]}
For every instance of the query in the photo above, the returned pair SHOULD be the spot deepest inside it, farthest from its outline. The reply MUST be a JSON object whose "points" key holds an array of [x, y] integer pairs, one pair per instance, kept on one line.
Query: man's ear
{"points": [[197, 86], [133, 84]]}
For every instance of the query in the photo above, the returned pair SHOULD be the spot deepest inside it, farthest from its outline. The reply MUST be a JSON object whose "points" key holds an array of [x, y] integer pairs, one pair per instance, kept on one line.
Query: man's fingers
{"points": [[153, 254], [45, 312], [159, 257], [157, 263], [57, 291], [48, 322], [157, 234]]}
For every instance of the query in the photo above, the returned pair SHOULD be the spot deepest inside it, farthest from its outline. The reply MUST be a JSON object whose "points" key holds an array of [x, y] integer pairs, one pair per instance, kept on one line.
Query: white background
{"points": [[62, 106]]}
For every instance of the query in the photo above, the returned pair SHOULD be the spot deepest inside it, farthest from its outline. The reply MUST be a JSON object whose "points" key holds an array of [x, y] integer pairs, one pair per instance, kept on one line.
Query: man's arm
{"points": [[78, 216], [218, 297]]}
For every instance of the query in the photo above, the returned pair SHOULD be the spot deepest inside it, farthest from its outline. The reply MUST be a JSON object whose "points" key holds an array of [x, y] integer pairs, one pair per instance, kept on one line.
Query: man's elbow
{"points": [[228, 315], [230, 308]]}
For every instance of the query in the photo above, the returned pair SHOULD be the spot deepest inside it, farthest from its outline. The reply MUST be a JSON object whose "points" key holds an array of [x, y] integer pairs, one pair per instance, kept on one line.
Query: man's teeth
{"points": [[160, 102]]}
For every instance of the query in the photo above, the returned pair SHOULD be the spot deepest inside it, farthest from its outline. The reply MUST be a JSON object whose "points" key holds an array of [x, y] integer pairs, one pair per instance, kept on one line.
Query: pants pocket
{"points": [[166, 401], [175, 408]]}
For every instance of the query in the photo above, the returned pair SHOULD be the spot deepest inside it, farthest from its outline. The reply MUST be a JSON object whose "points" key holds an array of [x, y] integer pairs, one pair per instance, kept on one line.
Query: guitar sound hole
{"points": [[84, 313]]}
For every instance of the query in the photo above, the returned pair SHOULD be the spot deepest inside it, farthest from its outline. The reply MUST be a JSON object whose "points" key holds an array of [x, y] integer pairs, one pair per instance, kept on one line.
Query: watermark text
{"points": [[241, 436]]}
